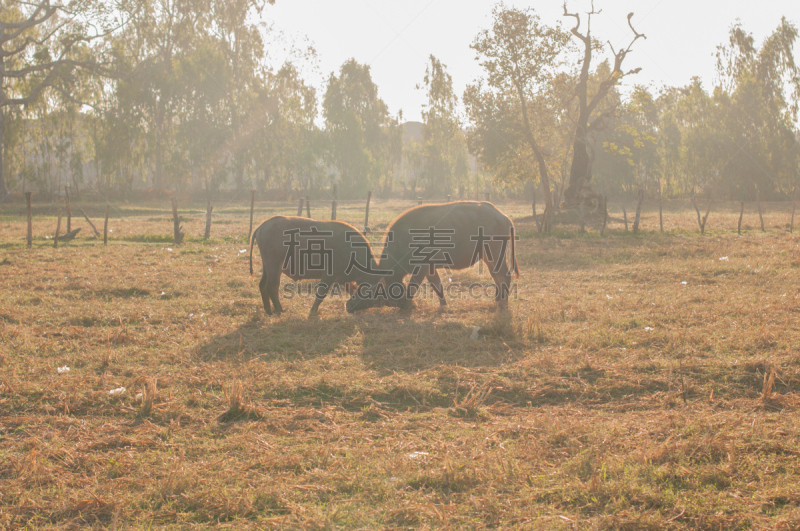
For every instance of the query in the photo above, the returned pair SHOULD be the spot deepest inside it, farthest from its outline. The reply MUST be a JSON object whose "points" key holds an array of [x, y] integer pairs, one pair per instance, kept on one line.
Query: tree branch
{"points": [[30, 98], [598, 123], [617, 73], [29, 23], [28, 40], [577, 18], [637, 34]]}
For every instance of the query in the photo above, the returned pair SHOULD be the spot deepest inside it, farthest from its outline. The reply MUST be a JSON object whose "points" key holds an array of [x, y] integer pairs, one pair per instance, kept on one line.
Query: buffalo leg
{"points": [[436, 282], [501, 276], [502, 282], [393, 290], [321, 292], [262, 287], [414, 283], [273, 284]]}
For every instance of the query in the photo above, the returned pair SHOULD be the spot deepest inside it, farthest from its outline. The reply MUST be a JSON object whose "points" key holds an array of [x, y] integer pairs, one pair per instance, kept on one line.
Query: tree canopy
{"points": [[187, 95]]}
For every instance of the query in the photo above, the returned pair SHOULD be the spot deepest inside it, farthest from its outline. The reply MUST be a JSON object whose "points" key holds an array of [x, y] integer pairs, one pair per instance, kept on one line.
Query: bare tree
{"points": [[587, 123]]}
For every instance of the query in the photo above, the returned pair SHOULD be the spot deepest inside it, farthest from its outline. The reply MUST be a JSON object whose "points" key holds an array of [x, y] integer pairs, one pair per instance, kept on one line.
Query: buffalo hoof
{"points": [[405, 305]]}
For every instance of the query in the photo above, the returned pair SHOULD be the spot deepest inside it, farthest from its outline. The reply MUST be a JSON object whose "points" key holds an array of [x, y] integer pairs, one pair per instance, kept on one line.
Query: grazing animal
{"points": [[305, 249], [426, 238]]}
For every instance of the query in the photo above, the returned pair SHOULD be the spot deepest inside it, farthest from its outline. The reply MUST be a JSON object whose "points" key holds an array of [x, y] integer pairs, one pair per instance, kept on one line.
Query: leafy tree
{"points": [[41, 44], [241, 43], [289, 144], [444, 140], [414, 157], [393, 151], [628, 158], [520, 56], [355, 120], [759, 95]]}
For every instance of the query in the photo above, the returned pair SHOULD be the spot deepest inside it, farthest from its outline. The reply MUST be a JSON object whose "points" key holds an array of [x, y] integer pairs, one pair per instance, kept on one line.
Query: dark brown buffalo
{"points": [[426, 238], [305, 249]]}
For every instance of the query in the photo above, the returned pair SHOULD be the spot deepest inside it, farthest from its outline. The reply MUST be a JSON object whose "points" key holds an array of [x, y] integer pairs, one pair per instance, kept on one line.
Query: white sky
{"points": [[395, 37]]}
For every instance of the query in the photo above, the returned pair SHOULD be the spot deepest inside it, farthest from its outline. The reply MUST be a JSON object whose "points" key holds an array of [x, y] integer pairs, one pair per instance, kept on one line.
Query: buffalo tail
{"points": [[252, 242], [513, 253]]}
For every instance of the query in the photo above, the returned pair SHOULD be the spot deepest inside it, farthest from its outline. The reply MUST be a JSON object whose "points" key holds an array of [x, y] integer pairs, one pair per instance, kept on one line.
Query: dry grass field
{"points": [[637, 382]]}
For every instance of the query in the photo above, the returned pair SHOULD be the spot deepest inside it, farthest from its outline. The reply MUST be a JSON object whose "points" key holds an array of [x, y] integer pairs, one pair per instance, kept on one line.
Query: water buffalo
{"points": [[426, 238], [306, 249]]}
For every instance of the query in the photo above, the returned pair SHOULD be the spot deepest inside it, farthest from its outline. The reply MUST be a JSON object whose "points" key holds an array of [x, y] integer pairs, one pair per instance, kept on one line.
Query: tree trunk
{"points": [[2, 162], [157, 181], [580, 170], [580, 173], [638, 213], [543, 176]]}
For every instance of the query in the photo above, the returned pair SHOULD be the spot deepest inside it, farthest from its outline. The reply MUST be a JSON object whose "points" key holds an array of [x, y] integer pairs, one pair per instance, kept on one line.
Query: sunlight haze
{"points": [[395, 38]]}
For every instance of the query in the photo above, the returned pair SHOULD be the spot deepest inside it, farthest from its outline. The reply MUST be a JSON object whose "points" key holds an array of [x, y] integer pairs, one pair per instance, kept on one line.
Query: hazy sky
{"points": [[396, 37]]}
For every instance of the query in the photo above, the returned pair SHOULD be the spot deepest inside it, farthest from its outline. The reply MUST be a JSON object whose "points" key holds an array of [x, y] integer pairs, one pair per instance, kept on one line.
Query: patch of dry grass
{"points": [[637, 382]]}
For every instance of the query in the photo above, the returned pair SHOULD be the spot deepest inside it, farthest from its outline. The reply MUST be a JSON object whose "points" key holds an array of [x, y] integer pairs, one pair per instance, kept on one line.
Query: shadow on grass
{"points": [[399, 359], [283, 338], [388, 340]]}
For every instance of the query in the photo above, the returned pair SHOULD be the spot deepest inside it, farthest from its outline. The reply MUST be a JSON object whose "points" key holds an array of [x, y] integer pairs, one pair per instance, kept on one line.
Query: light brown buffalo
{"points": [[306, 249], [426, 238]]}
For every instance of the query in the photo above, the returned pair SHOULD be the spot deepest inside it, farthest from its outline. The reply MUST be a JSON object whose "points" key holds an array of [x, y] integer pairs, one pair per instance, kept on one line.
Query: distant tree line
{"points": [[180, 95]]}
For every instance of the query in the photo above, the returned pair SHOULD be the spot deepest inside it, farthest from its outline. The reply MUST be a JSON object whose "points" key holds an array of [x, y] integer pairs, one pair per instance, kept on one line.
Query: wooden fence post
{"points": [[69, 210], [605, 215], [308, 208], [58, 229], [30, 220], [176, 223], [760, 215], [207, 233], [105, 227], [300, 208], [252, 207], [741, 215], [366, 213], [705, 218], [625, 217], [89, 221]]}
